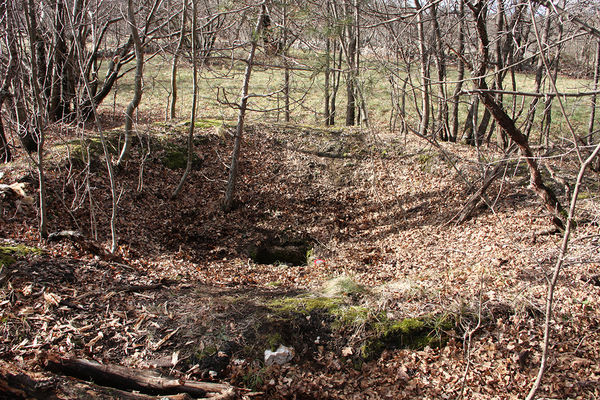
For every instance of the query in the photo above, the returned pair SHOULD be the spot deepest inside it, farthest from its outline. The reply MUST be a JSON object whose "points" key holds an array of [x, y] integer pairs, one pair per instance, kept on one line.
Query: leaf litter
{"points": [[182, 295]]}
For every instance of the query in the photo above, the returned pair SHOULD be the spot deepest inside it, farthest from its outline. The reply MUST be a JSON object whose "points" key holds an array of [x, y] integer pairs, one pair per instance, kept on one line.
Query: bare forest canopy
{"points": [[100, 100]]}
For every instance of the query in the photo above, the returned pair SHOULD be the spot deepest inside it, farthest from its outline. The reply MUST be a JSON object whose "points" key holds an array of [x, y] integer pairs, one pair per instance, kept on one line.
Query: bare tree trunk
{"points": [[5, 154], [38, 117], [137, 83], [115, 64], [56, 106], [547, 120], [424, 71], [336, 84], [351, 59], [594, 104], [440, 59], [551, 203], [190, 141], [461, 71], [286, 73], [590, 135], [539, 70], [233, 170], [327, 96], [175, 62]]}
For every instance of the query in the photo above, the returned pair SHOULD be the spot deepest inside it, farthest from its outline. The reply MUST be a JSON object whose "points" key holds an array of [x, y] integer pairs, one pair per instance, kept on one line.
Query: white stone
{"points": [[280, 356]]}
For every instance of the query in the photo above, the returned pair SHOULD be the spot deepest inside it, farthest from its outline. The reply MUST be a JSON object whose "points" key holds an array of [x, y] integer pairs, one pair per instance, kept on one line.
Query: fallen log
{"points": [[145, 381], [17, 384]]}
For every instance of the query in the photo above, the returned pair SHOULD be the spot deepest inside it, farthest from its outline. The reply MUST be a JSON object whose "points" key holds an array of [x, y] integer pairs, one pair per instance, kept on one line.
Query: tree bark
{"points": [[286, 72], [39, 118]]}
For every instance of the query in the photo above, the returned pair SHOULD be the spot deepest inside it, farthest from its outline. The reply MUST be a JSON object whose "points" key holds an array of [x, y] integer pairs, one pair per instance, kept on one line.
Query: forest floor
{"points": [[391, 298]]}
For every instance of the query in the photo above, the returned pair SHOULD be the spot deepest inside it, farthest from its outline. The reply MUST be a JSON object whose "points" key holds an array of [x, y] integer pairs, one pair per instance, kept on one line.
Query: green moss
{"points": [[413, 333], [584, 196], [274, 340], [175, 157], [9, 254], [207, 123], [6, 259], [310, 256], [351, 316]]}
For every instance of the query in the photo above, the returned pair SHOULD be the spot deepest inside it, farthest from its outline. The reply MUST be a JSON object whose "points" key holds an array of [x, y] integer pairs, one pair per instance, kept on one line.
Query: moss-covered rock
{"points": [[175, 157], [9, 254], [412, 333]]}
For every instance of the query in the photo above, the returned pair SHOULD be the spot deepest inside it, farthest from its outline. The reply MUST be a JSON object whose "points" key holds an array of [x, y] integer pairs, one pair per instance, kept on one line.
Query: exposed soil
{"points": [[183, 294]]}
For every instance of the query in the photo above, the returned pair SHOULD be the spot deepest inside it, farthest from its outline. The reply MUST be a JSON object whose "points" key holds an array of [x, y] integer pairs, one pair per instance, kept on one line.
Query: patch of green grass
{"points": [[352, 316], [343, 286], [305, 305], [255, 379], [584, 196]]}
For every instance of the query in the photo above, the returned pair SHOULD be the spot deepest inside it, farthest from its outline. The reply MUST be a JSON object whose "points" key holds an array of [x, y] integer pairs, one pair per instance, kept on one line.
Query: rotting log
{"points": [[17, 384], [145, 381]]}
